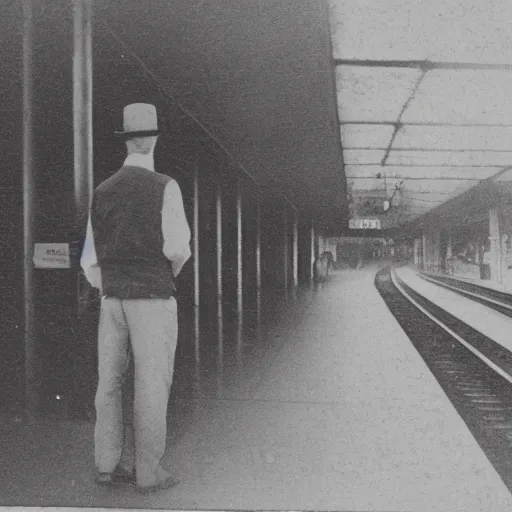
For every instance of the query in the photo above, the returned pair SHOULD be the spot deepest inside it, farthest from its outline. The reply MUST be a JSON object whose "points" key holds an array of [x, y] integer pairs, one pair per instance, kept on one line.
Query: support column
{"points": [[258, 242], [31, 374], [449, 254], [219, 263], [196, 239], [496, 245], [429, 252], [196, 268], [82, 146], [295, 249], [432, 240], [258, 261], [285, 249], [239, 273], [425, 253], [82, 110], [239, 251], [437, 251], [449, 246], [312, 266]]}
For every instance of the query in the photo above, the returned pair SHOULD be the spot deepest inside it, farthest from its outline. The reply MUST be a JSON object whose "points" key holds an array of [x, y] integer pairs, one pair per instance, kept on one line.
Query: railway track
{"points": [[474, 371], [494, 299]]}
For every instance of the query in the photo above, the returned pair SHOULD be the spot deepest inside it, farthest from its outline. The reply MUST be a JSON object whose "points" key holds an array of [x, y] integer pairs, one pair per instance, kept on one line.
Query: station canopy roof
{"points": [[424, 99], [257, 75]]}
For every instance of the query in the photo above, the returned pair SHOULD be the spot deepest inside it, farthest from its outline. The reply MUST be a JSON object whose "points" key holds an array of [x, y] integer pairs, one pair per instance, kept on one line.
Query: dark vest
{"points": [[127, 226]]}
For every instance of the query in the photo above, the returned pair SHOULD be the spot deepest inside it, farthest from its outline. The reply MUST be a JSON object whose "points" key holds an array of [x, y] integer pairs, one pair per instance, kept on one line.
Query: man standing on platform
{"points": [[138, 239]]}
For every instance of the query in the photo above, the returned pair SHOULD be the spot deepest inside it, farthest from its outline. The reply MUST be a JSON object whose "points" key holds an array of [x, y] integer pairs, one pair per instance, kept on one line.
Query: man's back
{"points": [[127, 226]]}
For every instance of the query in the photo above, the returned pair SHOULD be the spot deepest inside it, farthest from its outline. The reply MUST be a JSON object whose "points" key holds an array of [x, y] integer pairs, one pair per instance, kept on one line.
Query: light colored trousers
{"points": [[148, 330]]}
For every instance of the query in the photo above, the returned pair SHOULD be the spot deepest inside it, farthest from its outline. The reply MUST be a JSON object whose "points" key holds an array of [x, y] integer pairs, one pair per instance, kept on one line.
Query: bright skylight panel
{"points": [[446, 138], [463, 97], [357, 156], [365, 136], [469, 158], [444, 30], [373, 94]]}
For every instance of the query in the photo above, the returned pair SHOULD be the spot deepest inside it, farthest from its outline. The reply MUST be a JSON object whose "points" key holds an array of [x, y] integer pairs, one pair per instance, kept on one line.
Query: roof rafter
{"points": [[473, 150], [398, 124], [428, 123], [426, 165], [424, 65], [413, 192], [420, 200], [417, 178]]}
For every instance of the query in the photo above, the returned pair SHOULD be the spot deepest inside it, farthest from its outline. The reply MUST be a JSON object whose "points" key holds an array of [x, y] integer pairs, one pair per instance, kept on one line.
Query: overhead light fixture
{"points": [[388, 202]]}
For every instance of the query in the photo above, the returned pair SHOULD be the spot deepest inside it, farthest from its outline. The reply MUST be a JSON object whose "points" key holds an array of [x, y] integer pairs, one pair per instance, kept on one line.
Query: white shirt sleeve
{"points": [[89, 259], [175, 228]]}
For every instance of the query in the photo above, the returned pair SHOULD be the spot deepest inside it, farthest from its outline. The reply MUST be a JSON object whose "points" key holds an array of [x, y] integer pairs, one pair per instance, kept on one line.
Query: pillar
{"points": [[82, 160], [285, 250], [496, 246], [449, 254], [313, 253], [426, 258], [239, 251], [218, 229], [295, 249], [82, 110], [196, 241], [31, 377], [437, 251], [449, 246], [197, 275], [239, 272], [258, 260]]}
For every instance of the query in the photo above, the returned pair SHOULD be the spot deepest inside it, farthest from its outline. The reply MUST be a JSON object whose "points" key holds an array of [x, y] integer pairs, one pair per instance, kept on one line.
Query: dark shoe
{"points": [[117, 477], [164, 484]]}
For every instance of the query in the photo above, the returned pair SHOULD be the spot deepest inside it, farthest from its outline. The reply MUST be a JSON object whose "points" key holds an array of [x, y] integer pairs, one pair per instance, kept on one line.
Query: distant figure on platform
{"points": [[360, 258], [323, 267], [138, 239], [330, 261]]}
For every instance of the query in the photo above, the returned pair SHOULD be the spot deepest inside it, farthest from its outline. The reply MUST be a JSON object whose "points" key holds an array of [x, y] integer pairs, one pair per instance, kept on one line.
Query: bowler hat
{"points": [[139, 120]]}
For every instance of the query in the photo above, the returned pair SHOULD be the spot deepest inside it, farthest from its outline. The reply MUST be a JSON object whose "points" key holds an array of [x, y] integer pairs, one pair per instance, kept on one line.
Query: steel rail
{"points": [[397, 282]]}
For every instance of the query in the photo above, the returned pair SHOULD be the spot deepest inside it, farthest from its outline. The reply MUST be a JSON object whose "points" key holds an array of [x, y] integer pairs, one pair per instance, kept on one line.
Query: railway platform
{"points": [[486, 320], [339, 412], [482, 283]]}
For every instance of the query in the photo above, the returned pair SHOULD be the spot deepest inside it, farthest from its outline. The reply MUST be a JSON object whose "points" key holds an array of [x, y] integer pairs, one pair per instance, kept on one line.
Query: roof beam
{"points": [[398, 124], [435, 201], [368, 148], [417, 178], [427, 123], [426, 165], [413, 192], [424, 65]]}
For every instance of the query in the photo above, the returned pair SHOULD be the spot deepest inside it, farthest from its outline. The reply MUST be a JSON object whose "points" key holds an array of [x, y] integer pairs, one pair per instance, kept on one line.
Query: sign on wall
{"points": [[364, 224], [54, 255]]}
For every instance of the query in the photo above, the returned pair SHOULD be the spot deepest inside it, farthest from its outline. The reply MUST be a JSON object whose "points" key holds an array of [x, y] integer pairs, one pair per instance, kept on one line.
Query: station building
{"points": [[470, 236]]}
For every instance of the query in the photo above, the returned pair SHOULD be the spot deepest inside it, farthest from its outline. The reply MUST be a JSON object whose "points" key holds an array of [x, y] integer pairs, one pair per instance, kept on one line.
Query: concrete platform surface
{"points": [[344, 416]]}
